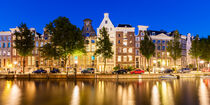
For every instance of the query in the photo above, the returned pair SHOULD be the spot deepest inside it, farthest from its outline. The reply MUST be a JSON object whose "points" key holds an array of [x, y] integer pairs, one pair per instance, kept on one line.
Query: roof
{"points": [[124, 25]]}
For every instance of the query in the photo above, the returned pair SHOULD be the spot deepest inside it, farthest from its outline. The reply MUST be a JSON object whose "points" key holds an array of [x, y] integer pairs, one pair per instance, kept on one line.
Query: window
{"points": [[125, 58], [130, 58], [9, 38], [137, 38], [8, 53], [5, 38], [142, 33], [119, 50], [154, 41], [9, 45], [119, 59], [45, 38], [106, 21], [41, 44], [119, 41], [163, 41], [153, 33], [124, 50], [0, 45], [158, 41], [118, 35], [125, 43], [142, 38], [93, 47], [137, 52], [137, 44], [87, 29], [130, 50], [163, 48], [92, 41], [14, 51], [37, 44], [87, 34], [4, 45], [158, 47], [0, 38]]}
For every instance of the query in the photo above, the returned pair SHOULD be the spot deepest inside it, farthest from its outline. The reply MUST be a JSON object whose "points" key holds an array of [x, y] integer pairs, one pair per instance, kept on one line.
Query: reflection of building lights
{"points": [[10, 65], [75, 96], [203, 93], [201, 61], [155, 96]]}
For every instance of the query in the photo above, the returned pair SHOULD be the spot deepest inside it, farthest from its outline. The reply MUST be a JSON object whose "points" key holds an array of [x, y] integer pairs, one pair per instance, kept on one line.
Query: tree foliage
{"points": [[66, 37], [147, 48], [195, 50], [205, 49], [104, 46], [174, 47], [24, 43]]}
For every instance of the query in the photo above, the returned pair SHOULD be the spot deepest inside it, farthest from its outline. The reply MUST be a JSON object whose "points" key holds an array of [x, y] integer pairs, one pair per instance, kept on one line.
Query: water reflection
{"points": [[203, 93], [105, 92], [75, 96], [11, 94]]}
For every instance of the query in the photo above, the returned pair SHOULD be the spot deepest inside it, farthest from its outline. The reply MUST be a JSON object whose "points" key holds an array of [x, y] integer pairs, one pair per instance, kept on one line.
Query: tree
{"points": [[48, 51], [104, 46], [147, 48], [24, 43], [205, 49], [66, 38], [195, 50], [174, 47]]}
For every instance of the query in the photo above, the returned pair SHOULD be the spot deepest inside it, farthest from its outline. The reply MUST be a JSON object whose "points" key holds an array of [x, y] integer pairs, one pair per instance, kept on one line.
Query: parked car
{"points": [[40, 71], [137, 71], [88, 70], [184, 70], [55, 71], [121, 71], [167, 71]]}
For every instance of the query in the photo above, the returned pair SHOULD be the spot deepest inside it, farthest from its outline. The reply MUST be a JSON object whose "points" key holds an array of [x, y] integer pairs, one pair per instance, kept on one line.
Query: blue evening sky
{"points": [[188, 16]]}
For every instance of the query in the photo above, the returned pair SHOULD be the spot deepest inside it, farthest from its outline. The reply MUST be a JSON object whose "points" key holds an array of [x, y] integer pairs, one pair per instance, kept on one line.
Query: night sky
{"points": [[188, 16]]}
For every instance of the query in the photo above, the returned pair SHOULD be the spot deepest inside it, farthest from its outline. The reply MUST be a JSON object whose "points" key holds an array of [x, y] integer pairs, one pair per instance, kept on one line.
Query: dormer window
{"points": [[106, 21], [153, 33], [142, 33], [87, 29]]}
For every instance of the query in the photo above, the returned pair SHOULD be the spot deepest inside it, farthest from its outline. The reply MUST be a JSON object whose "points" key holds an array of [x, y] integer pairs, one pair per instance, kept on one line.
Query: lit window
{"points": [[41, 44], [124, 50], [5, 38], [142, 38], [130, 50], [119, 59], [130, 58], [119, 50], [14, 51], [9, 38], [93, 47], [125, 58], [125, 43], [8, 53], [37, 44]]}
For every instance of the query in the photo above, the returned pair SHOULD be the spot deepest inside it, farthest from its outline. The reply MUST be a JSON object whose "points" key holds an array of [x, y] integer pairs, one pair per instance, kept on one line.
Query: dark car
{"points": [[122, 71], [55, 70], [167, 71], [184, 70], [40, 71], [88, 70]]}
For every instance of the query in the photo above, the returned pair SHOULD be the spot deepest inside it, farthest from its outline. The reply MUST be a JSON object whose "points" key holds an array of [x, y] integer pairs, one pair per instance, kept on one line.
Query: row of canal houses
{"points": [[125, 47]]}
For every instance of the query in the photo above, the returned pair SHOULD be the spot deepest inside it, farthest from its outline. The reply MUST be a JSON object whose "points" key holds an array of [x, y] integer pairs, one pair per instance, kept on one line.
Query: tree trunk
{"points": [[196, 61], [104, 65], [175, 65], [148, 65], [66, 65], [23, 64]]}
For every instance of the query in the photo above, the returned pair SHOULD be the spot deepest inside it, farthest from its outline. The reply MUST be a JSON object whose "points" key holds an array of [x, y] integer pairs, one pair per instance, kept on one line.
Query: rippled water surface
{"points": [[105, 92]]}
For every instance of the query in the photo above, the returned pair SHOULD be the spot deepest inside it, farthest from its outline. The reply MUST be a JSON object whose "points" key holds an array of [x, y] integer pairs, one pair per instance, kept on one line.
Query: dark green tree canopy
{"points": [[205, 49], [195, 49], [147, 47], [104, 46], [24, 42], [174, 46], [65, 37], [48, 51]]}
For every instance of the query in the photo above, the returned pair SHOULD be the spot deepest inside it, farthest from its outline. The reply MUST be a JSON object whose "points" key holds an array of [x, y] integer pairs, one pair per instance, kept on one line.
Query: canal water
{"points": [[105, 92]]}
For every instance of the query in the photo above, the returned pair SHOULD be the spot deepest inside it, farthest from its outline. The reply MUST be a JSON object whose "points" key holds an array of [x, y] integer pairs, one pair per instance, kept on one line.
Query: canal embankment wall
{"points": [[99, 76]]}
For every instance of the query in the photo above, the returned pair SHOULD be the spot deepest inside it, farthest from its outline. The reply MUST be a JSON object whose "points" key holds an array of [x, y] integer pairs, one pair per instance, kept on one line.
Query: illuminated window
{"points": [[37, 44], [125, 43], [125, 58], [14, 51], [124, 50], [93, 47], [9, 38], [119, 59], [130, 50], [130, 58], [142, 38]]}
